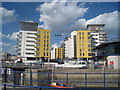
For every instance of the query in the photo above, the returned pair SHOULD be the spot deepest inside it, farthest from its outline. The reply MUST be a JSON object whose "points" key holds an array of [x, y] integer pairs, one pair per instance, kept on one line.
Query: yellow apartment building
{"points": [[43, 43], [83, 45], [59, 53]]}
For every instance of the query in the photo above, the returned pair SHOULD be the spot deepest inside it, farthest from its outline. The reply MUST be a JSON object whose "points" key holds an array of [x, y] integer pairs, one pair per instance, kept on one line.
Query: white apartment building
{"points": [[27, 40], [53, 51], [97, 33], [98, 38], [67, 48], [73, 44]]}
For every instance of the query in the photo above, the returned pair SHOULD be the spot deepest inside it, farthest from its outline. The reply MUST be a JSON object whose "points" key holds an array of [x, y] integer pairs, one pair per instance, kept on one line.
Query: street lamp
{"points": [[58, 35]]}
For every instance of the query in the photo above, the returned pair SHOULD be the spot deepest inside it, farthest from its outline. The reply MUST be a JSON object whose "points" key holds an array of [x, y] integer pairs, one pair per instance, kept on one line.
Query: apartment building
{"points": [[53, 52], [68, 43], [59, 53], [27, 40], [83, 44], [98, 34], [33, 43], [73, 44], [43, 43]]}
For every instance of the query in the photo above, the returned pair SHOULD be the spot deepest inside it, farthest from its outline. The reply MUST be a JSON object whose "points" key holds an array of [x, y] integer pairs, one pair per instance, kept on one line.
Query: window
{"points": [[38, 32], [38, 40], [47, 54], [44, 32], [38, 54], [89, 41], [89, 50], [44, 36], [83, 54], [38, 49], [80, 54], [88, 33], [81, 46], [44, 54], [81, 50], [82, 33], [89, 54], [83, 63], [44, 41], [82, 37], [89, 37], [89, 45], [79, 33], [38, 36], [81, 41], [38, 45]]}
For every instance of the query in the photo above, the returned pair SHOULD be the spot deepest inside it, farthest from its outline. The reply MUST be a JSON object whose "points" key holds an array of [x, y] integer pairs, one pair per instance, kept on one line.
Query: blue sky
{"points": [[60, 18]]}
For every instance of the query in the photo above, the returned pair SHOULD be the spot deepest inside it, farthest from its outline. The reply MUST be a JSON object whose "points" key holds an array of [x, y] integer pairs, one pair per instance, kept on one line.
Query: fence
{"points": [[83, 80]]}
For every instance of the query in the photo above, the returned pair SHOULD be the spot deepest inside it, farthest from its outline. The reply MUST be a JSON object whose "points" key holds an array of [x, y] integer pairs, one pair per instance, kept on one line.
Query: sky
{"points": [[59, 17]]}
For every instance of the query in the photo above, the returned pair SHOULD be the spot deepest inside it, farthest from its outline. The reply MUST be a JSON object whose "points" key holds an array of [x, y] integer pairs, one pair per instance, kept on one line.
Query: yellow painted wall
{"points": [[44, 44], [83, 44]]}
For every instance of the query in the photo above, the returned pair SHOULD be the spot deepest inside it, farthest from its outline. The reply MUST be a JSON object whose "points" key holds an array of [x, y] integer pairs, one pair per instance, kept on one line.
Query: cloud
{"points": [[2, 35], [59, 16], [14, 36], [111, 23], [8, 36], [65, 17], [7, 15], [4, 44]]}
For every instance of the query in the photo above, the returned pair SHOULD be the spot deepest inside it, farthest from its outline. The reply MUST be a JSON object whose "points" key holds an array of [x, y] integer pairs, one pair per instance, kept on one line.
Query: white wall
{"points": [[68, 44], [74, 33], [116, 60]]}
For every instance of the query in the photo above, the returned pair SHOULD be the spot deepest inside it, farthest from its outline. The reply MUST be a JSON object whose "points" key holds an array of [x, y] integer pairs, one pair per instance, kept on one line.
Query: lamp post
{"points": [[58, 35]]}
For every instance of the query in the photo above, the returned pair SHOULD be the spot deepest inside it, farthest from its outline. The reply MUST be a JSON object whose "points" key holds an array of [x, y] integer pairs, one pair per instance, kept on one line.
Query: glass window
{"points": [[38, 49], [44, 36], [89, 45], [89, 41], [83, 62], [38, 36], [82, 33], [38, 32], [45, 32], [81, 45], [79, 33], [89, 50], [38, 45], [82, 37], [82, 41], [89, 37], [38, 40], [88, 33]]}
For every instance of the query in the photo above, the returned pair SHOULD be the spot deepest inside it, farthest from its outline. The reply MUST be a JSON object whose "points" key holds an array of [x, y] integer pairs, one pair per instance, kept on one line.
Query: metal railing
{"points": [[86, 79]]}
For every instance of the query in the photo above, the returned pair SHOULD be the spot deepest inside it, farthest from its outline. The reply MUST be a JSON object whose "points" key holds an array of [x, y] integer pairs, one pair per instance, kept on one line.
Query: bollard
{"points": [[5, 87], [104, 81], [85, 80], [67, 79], [5, 73], [30, 77]]}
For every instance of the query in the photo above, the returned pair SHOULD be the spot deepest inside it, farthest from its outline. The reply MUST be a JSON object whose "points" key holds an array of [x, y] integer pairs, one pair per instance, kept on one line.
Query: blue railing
{"points": [[66, 80]]}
